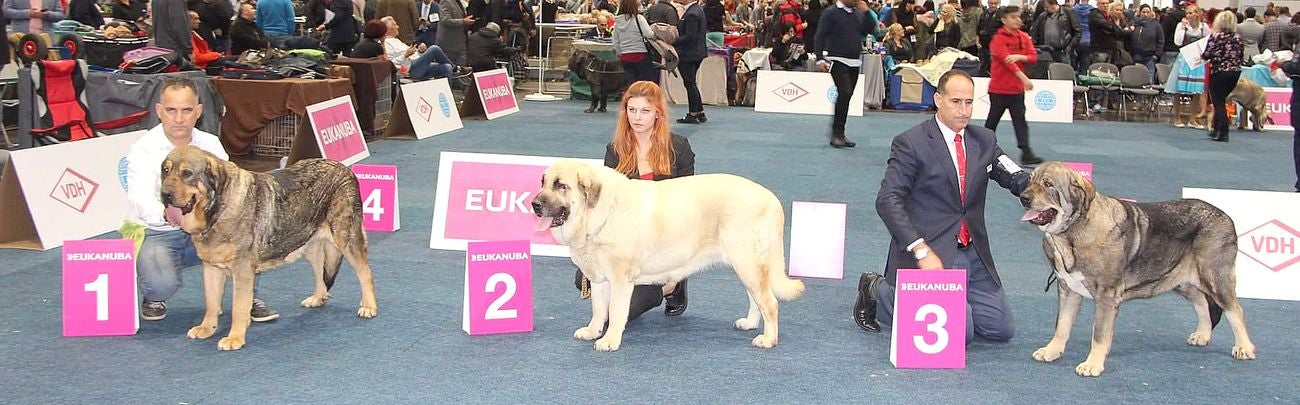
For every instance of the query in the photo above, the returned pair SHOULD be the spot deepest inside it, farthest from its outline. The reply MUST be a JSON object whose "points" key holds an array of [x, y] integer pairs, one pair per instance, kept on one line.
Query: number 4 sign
{"points": [[929, 319], [378, 186], [498, 288], [99, 290]]}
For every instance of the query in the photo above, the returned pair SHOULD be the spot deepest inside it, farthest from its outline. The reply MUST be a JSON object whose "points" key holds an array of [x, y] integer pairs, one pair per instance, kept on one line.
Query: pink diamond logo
{"points": [[790, 92], [74, 190], [1272, 244], [424, 109]]}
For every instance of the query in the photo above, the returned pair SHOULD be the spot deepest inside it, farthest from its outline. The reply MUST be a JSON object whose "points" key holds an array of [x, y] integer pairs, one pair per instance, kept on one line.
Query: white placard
{"points": [[801, 93], [69, 191], [431, 107], [487, 197], [1268, 239], [1049, 101]]}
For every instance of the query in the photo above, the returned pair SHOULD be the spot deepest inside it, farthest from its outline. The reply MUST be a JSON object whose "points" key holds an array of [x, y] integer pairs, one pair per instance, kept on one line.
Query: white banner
{"points": [[70, 191], [1049, 101], [801, 93], [431, 107], [1268, 239], [488, 197]]}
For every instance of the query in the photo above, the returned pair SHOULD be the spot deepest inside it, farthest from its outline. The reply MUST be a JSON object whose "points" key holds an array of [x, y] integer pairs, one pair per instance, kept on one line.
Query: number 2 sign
{"points": [[99, 289], [929, 319], [498, 288], [378, 186]]}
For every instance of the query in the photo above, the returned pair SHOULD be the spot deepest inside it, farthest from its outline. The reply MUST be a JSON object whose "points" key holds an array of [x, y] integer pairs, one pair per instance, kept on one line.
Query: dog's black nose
{"points": [[166, 198], [537, 208], [1024, 201]]}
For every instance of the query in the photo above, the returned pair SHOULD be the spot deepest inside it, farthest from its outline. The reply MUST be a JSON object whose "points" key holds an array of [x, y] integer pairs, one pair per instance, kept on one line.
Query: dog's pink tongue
{"points": [[1031, 215], [173, 215], [543, 224]]}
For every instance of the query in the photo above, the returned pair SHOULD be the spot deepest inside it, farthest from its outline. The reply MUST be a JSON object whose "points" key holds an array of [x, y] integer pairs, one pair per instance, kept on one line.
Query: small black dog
{"points": [[605, 77]]}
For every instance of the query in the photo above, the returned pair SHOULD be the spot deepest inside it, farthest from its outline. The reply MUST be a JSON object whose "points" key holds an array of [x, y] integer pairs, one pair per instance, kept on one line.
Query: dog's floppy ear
{"points": [[1081, 190], [214, 181], [590, 185]]}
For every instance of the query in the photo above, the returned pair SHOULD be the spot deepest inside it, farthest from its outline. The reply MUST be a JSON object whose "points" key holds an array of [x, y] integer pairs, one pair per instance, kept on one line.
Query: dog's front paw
{"points": [[313, 301], [764, 341], [607, 344], [1246, 352], [601, 109], [746, 324], [589, 110], [201, 332], [230, 343], [367, 312], [1089, 369], [585, 333], [1047, 354], [1198, 339]]}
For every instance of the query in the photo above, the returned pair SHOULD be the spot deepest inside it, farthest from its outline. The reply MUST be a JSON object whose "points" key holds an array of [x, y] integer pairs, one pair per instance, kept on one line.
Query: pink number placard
{"points": [[99, 288], [498, 288], [378, 186], [929, 319]]}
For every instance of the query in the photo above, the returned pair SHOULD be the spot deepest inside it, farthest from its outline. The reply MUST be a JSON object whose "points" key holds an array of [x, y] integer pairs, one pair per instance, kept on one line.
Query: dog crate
{"points": [[276, 138], [383, 108]]}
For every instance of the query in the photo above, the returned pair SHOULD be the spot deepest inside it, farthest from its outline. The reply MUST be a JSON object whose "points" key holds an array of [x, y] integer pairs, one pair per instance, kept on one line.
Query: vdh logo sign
{"points": [[424, 109], [74, 190], [790, 92], [1272, 244]]}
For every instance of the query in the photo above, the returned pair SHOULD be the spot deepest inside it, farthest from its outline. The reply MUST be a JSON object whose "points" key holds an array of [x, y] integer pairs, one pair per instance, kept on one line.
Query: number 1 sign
{"points": [[498, 288], [99, 290], [929, 319], [378, 186]]}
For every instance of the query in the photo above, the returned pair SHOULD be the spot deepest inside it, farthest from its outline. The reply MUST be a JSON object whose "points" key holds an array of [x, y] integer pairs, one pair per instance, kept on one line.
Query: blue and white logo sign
{"points": [[444, 105], [1045, 100], [121, 172], [832, 94]]}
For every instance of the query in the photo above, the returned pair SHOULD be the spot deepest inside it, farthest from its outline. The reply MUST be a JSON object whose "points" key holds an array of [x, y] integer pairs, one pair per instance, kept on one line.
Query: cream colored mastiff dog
{"points": [[624, 232]]}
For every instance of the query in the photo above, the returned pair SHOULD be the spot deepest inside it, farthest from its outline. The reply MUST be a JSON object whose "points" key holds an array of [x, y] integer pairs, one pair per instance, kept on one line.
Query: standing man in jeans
{"points": [[1056, 31], [166, 249], [691, 51], [838, 46]]}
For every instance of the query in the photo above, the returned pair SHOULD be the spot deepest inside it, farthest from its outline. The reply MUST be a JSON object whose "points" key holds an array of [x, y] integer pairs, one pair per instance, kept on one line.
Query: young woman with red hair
{"points": [[644, 148]]}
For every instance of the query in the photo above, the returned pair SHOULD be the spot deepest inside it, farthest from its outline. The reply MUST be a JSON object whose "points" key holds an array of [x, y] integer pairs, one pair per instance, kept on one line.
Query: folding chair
{"points": [[1062, 71], [1105, 71], [1135, 83]]}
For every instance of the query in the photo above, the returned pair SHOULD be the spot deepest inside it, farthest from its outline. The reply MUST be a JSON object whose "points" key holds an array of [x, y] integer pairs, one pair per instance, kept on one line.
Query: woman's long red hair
{"points": [[625, 143]]}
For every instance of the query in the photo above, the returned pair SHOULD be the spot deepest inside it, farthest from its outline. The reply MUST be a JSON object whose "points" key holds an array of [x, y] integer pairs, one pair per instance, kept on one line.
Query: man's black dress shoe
{"points": [[675, 303], [864, 309]]}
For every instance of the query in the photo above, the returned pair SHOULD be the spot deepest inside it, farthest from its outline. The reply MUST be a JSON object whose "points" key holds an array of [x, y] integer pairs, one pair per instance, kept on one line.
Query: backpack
{"points": [[150, 60]]}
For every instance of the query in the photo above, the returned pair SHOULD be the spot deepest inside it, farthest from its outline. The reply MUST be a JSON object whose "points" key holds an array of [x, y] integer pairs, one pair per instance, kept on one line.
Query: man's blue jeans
{"points": [[433, 63]]}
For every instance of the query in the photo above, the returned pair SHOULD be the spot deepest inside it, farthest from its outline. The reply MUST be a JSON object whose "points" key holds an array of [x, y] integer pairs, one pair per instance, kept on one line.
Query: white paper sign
{"points": [[1268, 239], [1049, 101]]}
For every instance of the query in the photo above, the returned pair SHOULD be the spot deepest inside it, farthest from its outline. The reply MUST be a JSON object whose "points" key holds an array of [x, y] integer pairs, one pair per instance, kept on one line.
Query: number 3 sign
{"points": [[99, 294], [498, 288], [929, 319], [378, 187]]}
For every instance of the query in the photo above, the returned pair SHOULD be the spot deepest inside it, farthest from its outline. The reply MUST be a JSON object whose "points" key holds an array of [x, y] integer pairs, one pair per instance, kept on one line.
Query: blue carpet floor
{"points": [[415, 351]]}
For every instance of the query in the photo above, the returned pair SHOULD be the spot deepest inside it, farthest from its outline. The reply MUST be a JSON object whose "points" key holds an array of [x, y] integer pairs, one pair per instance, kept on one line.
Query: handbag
{"points": [[650, 51]]}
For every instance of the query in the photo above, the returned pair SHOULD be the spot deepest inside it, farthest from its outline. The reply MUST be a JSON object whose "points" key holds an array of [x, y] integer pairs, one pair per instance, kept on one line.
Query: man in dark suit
{"points": [[691, 52], [933, 206]]}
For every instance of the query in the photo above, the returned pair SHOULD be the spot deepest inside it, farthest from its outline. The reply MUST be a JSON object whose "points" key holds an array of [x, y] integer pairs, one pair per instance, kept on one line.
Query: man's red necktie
{"points": [[963, 235]]}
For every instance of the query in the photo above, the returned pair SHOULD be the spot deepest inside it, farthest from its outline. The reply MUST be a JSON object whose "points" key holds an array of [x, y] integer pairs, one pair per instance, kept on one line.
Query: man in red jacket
{"points": [[203, 55], [1010, 51]]}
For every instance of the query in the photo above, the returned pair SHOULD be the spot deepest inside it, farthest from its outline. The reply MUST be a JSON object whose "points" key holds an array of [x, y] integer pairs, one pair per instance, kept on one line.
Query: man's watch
{"points": [[921, 253]]}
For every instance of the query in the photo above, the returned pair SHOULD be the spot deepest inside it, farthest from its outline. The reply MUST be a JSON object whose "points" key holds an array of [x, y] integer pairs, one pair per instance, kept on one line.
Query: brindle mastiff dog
{"points": [[244, 223], [1113, 251]]}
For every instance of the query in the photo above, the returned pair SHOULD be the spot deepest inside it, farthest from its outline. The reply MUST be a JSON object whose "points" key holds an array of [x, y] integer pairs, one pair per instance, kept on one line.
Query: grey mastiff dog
{"points": [[1113, 251]]}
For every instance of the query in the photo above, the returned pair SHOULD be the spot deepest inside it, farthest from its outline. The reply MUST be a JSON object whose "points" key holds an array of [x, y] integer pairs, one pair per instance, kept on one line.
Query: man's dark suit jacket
{"points": [[683, 159], [919, 196]]}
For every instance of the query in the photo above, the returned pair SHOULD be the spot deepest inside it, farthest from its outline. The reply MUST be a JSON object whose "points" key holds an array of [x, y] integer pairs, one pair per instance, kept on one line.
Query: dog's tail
{"points": [[1216, 311], [786, 288]]}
